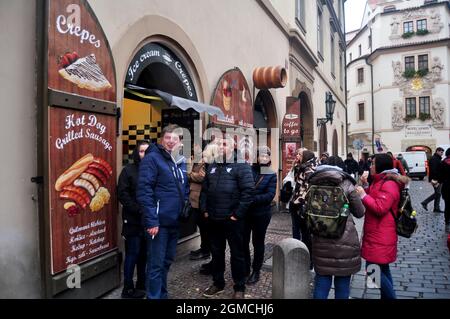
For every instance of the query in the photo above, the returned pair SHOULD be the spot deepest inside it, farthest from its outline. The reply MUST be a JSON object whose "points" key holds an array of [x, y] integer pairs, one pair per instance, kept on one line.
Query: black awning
{"points": [[173, 100]]}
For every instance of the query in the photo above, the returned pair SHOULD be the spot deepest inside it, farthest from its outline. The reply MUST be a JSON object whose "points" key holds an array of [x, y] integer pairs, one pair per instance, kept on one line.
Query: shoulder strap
{"points": [[177, 182], [259, 181]]}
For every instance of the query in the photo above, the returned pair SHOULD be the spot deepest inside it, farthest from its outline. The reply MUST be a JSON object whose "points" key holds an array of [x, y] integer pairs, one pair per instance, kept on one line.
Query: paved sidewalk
{"points": [[421, 271]]}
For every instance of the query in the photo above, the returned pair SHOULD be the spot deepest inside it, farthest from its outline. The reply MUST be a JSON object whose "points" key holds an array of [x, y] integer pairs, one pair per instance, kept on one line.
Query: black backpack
{"points": [[406, 221]]}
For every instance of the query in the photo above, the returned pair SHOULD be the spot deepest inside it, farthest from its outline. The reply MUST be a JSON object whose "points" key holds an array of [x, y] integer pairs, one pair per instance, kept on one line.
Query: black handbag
{"points": [[286, 192]]}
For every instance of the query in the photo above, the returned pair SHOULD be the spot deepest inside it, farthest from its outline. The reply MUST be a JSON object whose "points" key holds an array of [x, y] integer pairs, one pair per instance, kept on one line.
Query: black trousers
{"points": [[232, 232], [255, 227], [202, 223], [300, 229], [436, 197]]}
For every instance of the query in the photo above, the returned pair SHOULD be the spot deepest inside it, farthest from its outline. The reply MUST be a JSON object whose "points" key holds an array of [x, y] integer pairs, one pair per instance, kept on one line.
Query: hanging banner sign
{"points": [[290, 134]]}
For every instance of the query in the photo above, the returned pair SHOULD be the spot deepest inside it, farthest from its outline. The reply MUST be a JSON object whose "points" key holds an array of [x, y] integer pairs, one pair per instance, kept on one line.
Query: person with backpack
{"points": [[339, 257], [259, 214], [444, 180], [381, 199], [304, 166]]}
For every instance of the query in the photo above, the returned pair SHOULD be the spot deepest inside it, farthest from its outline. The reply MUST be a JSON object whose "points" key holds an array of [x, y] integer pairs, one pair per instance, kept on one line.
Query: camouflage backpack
{"points": [[326, 210]]}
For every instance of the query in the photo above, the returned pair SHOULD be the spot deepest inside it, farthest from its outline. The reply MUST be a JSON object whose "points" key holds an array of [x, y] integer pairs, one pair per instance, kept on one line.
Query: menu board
{"points": [[79, 57], [232, 95], [83, 209], [290, 134]]}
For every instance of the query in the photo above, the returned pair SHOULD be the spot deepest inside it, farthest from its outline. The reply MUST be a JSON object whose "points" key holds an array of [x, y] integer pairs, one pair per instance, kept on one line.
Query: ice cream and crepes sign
{"points": [[82, 186], [79, 57]]}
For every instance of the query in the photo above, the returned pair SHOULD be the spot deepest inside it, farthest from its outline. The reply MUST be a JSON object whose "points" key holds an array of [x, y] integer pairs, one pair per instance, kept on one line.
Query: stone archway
{"points": [[264, 113], [303, 92], [334, 149], [323, 140]]}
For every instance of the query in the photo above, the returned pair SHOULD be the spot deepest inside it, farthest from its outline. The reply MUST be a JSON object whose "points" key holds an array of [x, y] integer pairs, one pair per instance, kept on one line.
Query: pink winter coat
{"points": [[379, 244]]}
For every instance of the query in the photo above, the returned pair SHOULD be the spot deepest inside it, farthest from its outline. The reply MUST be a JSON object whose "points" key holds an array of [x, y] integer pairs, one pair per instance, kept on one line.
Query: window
{"points": [[389, 8], [424, 105], [409, 63], [411, 107], [421, 24], [408, 26], [360, 75], [341, 69], [350, 57], [359, 50], [370, 41], [300, 12], [319, 31], [332, 57], [423, 62], [361, 112]]}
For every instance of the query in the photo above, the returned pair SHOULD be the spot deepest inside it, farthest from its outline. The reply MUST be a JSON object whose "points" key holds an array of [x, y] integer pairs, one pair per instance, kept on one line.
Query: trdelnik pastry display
{"points": [[83, 185]]}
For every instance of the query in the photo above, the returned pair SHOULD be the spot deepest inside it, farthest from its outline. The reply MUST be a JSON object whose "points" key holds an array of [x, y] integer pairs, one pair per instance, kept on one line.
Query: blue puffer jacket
{"points": [[157, 192], [265, 189]]}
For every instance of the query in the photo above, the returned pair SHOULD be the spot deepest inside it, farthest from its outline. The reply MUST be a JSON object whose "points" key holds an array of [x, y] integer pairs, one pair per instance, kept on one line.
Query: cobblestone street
{"points": [[422, 269]]}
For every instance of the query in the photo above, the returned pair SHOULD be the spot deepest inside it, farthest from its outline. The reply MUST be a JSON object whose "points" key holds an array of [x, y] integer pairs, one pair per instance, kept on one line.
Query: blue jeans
{"points": [[160, 254], [135, 256], [322, 286], [387, 284]]}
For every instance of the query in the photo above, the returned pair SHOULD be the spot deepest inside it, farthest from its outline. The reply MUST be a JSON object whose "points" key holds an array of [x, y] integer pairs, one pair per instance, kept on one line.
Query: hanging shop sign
{"points": [[232, 95], [155, 53], [290, 134], [81, 121], [83, 206], [79, 57]]}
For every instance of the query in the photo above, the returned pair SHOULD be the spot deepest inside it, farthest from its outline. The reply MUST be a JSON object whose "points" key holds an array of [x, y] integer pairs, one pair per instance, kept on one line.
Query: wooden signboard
{"points": [[81, 136], [83, 205], [79, 58], [232, 95], [290, 133]]}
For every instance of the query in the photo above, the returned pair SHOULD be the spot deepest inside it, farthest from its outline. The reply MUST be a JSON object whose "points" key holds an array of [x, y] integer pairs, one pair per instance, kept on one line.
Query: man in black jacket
{"points": [[132, 230], [226, 196], [351, 166], [433, 177]]}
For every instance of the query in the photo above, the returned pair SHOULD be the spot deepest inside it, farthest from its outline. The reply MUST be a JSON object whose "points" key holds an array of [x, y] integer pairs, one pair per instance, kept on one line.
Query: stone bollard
{"points": [[290, 274]]}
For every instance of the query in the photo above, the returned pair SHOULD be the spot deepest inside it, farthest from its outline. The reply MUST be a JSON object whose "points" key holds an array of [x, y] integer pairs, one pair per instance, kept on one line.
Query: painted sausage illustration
{"points": [[86, 185], [101, 168], [92, 179], [73, 196], [97, 173], [80, 191], [104, 163]]}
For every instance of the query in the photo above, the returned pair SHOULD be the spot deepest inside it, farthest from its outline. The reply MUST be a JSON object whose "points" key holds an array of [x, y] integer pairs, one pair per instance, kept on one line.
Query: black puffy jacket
{"points": [[435, 163], [265, 190], [126, 189], [227, 190]]}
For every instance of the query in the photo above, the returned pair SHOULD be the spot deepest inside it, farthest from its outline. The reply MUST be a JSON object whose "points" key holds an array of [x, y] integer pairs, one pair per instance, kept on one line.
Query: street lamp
{"points": [[329, 105]]}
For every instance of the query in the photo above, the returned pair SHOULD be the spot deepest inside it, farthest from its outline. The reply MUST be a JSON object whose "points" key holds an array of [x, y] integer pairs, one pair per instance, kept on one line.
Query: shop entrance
{"points": [[144, 116], [264, 115]]}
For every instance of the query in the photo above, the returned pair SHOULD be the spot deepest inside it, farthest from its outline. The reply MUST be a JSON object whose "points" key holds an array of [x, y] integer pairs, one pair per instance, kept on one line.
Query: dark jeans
{"points": [[257, 227], [300, 229], [160, 255], [202, 223], [233, 233], [387, 284], [135, 257], [322, 286], [436, 197]]}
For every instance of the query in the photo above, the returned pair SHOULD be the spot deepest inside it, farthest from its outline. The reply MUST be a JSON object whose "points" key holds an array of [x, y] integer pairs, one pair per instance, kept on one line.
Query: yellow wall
{"points": [[135, 113]]}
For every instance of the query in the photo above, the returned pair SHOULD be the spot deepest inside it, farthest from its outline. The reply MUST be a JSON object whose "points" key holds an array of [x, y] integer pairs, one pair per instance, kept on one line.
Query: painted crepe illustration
{"points": [[84, 72], [82, 184]]}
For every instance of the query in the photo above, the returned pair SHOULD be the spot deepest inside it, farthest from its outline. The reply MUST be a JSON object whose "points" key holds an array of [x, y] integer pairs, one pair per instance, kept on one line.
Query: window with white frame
{"points": [[360, 75]]}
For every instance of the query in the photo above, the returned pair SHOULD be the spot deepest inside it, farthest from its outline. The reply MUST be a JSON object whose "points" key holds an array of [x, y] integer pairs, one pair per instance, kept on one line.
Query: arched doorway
{"points": [[306, 121], [334, 149], [264, 113], [156, 66], [323, 141]]}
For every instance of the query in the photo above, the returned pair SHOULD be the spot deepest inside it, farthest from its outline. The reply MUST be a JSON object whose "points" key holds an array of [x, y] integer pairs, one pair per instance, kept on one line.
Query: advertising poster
{"points": [[232, 95], [290, 134], [79, 60], [83, 208]]}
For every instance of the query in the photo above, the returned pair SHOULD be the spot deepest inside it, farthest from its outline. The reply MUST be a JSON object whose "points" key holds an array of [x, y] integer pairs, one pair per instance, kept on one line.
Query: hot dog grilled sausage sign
{"points": [[82, 186]]}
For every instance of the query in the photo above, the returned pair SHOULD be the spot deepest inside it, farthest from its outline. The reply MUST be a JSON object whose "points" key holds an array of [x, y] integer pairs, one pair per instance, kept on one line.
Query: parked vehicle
{"points": [[418, 164]]}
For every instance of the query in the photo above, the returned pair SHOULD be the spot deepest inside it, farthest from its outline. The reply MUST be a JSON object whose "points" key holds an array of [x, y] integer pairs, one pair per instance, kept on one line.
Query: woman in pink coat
{"points": [[379, 244]]}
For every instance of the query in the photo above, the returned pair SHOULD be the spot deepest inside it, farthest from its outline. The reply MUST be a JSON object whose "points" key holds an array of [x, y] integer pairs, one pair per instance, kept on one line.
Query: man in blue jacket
{"points": [[225, 198], [162, 191]]}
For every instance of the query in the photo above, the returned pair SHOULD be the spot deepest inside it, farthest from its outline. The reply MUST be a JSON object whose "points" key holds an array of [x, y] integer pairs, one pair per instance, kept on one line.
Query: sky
{"points": [[354, 10]]}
